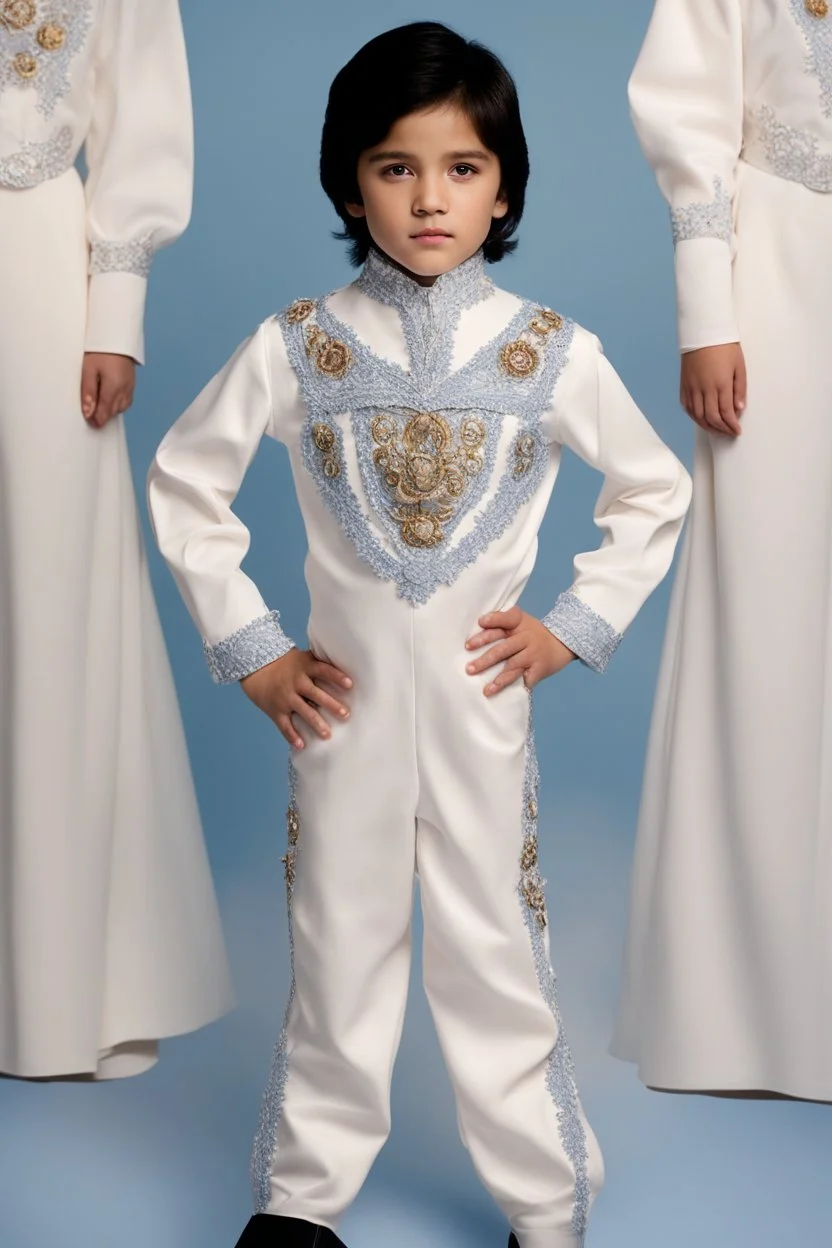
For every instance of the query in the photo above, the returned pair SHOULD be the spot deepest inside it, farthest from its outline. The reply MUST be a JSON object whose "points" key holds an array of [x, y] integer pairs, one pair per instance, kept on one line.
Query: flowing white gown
{"points": [[728, 968], [109, 931]]}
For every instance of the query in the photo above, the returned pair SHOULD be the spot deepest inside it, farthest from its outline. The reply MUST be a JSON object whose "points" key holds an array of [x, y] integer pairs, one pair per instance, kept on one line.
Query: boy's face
{"points": [[429, 192]]}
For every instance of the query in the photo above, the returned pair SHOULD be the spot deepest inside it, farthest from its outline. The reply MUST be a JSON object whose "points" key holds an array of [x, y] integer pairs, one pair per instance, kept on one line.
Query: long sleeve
{"points": [[192, 484], [686, 96], [642, 505], [139, 153]]}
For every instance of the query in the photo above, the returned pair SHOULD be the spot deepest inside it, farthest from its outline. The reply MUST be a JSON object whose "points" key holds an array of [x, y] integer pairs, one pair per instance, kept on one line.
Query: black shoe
{"points": [[266, 1230], [512, 1242]]}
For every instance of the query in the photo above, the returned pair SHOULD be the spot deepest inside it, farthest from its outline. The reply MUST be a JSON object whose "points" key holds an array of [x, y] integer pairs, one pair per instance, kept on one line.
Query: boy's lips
{"points": [[431, 236]]}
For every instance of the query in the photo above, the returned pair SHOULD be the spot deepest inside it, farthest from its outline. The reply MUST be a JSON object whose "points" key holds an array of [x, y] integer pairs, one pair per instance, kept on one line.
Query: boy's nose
{"points": [[429, 200]]}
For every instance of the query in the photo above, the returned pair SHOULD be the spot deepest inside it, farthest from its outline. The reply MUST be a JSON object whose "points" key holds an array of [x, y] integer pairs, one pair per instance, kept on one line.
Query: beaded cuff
{"points": [[133, 257], [585, 632], [250, 648]]}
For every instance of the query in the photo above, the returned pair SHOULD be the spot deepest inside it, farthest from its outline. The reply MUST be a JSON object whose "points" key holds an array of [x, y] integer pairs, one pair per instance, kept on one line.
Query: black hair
{"points": [[404, 71]]}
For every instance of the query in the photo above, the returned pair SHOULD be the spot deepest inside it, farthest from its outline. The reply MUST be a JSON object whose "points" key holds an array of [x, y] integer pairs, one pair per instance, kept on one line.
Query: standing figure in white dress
{"points": [[729, 959], [109, 930]]}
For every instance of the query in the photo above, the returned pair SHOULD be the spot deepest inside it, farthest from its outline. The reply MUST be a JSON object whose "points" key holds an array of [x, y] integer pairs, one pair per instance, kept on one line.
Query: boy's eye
{"points": [[398, 171], [462, 171]]}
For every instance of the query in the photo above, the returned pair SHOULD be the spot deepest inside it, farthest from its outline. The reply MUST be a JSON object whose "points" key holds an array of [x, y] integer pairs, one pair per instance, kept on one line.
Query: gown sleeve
{"points": [[686, 96], [193, 481], [640, 510], [139, 153]]}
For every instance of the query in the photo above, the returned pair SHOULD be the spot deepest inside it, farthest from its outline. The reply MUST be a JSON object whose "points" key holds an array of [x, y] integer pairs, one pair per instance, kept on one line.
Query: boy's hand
{"points": [[107, 385], [290, 686], [520, 641], [714, 388]]}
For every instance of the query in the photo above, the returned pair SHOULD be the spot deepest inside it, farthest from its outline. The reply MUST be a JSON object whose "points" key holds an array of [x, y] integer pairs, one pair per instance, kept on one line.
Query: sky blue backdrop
{"points": [[161, 1162]]}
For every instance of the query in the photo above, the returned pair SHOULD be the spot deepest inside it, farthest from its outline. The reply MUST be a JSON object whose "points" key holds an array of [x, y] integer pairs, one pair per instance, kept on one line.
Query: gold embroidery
{"points": [[525, 448], [290, 859], [51, 37], [300, 310], [25, 65], [327, 443], [818, 8], [17, 14], [426, 471], [519, 359], [528, 860], [535, 900], [332, 358]]}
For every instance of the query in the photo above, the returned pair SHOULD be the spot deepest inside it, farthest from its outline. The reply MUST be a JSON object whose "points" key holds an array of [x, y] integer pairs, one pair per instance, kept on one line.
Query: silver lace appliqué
{"points": [[248, 649], [583, 630], [794, 154], [710, 219], [135, 256], [376, 387], [38, 162], [560, 1070], [271, 1109], [38, 55], [818, 36]]}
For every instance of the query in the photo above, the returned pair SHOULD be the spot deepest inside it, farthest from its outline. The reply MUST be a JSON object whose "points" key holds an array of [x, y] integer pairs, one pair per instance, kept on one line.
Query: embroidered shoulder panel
{"points": [[427, 448], [38, 41], [814, 17]]}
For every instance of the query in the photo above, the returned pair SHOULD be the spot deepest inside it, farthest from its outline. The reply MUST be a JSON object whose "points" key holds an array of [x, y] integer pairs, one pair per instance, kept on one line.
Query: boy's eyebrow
{"points": [[474, 154]]}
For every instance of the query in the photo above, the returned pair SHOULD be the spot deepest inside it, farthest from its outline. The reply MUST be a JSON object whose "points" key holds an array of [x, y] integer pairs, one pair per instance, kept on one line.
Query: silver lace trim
{"points": [[585, 632], [246, 651], [818, 35], [51, 79], [271, 1109], [793, 154], [38, 162], [375, 385], [132, 257], [560, 1070], [711, 219]]}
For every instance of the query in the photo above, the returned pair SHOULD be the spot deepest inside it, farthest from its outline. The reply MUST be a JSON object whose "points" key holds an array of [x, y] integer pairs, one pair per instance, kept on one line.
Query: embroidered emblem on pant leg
{"points": [[560, 1072], [265, 1141], [326, 441]]}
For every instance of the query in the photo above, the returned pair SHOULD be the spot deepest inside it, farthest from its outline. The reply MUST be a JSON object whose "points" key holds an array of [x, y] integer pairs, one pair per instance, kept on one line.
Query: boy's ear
{"points": [[501, 206], [356, 210]]}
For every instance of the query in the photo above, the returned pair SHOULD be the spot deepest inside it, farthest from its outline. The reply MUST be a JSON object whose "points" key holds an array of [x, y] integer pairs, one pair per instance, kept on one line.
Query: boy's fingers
{"points": [[90, 380], [740, 385], [321, 698], [726, 411], [284, 723], [332, 675], [312, 716], [501, 619], [498, 653], [485, 638], [507, 677]]}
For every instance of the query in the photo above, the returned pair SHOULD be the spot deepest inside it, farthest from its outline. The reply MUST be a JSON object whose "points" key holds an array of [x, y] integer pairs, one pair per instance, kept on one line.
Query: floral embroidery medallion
{"points": [[332, 358], [518, 359], [327, 443], [425, 471], [818, 8], [52, 37], [17, 14], [25, 66], [525, 449], [301, 310]]}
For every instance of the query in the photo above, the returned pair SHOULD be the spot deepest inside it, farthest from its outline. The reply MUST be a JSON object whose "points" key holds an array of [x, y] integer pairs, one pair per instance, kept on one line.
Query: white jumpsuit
{"points": [[425, 429], [729, 960], [109, 931]]}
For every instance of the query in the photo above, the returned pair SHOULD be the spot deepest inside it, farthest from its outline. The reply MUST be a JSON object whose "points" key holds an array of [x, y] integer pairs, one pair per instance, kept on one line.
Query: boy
{"points": [[424, 412]]}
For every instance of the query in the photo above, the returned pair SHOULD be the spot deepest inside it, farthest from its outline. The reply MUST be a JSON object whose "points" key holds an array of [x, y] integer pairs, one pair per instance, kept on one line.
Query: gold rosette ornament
{"points": [[528, 860], [17, 14], [818, 8], [524, 453], [535, 899], [334, 359], [300, 311], [326, 442], [51, 37], [25, 65], [519, 359]]}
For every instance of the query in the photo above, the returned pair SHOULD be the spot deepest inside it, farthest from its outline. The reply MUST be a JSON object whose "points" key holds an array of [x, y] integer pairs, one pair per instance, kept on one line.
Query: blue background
{"points": [[161, 1161]]}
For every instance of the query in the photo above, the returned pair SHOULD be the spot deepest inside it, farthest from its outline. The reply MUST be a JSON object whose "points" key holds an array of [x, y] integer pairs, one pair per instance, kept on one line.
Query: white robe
{"points": [[729, 955], [109, 930]]}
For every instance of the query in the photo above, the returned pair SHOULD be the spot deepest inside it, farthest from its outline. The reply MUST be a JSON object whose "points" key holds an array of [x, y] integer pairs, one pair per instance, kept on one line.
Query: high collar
{"points": [[452, 292], [429, 314]]}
